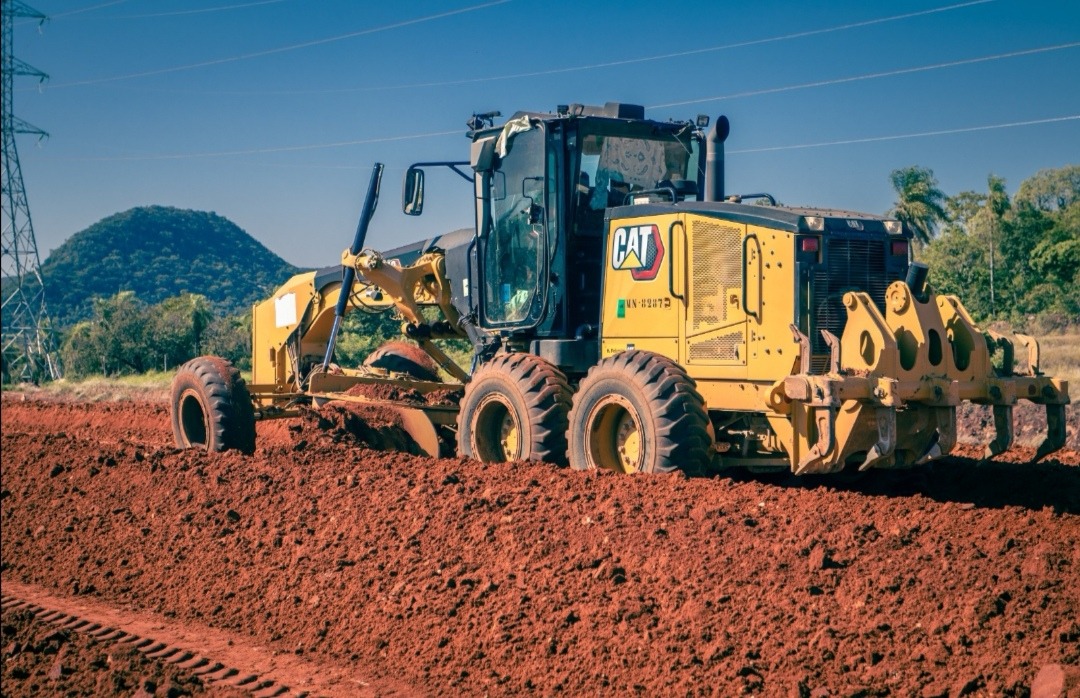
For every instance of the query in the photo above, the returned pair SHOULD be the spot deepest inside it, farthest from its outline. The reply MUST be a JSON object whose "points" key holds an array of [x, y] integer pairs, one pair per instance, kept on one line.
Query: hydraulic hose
{"points": [[371, 200]]}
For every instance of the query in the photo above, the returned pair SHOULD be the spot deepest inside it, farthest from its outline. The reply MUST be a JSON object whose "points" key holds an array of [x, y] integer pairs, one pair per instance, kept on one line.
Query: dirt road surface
{"points": [[381, 573]]}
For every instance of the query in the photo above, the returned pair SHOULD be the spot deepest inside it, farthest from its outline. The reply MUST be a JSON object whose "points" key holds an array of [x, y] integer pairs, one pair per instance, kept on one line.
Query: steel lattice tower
{"points": [[28, 349]]}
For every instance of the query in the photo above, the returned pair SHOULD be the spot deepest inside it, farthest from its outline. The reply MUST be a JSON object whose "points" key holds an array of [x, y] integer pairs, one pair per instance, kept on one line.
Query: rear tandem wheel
{"points": [[639, 412]]}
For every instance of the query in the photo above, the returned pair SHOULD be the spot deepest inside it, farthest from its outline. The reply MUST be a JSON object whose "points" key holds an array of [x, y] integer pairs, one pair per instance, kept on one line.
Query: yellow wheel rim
{"points": [[509, 436], [613, 436], [496, 434]]}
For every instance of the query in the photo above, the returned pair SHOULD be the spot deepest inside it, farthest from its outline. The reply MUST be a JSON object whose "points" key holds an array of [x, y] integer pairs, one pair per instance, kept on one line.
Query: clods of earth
{"points": [[429, 577]]}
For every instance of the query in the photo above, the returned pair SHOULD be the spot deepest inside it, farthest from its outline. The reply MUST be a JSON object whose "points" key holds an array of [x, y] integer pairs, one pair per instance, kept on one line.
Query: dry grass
{"points": [[153, 387], [1060, 357]]}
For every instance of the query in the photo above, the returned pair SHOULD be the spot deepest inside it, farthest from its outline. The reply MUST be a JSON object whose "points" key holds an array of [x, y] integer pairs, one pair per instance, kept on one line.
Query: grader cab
{"points": [[626, 313]]}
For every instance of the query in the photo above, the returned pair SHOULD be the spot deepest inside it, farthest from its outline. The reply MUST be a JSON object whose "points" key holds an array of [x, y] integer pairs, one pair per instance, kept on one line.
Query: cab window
{"points": [[514, 252]]}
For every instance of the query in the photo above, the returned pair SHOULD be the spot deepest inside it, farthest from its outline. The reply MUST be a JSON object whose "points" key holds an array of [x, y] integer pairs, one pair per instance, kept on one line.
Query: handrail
{"points": [[671, 261], [757, 313]]}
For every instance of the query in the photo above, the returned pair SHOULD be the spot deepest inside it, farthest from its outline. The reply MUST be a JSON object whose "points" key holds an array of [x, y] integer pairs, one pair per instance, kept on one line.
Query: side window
{"points": [[514, 251]]}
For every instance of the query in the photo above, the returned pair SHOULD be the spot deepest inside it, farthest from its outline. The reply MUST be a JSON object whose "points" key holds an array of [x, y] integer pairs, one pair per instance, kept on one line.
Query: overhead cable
{"points": [[282, 49], [868, 76], [414, 136]]}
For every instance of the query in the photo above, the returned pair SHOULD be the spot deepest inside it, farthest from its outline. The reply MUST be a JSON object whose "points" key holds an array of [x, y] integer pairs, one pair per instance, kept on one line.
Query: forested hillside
{"points": [[157, 253]]}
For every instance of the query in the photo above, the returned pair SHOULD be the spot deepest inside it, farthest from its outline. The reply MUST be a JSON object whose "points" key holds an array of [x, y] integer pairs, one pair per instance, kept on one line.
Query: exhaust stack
{"points": [[714, 159]]}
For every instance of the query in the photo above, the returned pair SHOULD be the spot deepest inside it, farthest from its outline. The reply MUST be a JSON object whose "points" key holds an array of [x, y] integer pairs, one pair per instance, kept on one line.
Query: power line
{"points": [[291, 47], [205, 10], [901, 136], [710, 49], [222, 8], [71, 12], [515, 76], [608, 64], [414, 136], [61, 15], [280, 149], [772, 90], [869, 76]]}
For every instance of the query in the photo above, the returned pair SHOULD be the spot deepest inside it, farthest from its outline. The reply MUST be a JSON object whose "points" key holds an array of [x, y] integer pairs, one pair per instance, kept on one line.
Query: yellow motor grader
{"points": [[626, 313]]}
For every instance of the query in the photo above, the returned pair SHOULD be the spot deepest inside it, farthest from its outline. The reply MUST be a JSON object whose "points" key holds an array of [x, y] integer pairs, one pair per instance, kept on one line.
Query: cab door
{"points": [[513, 253]]}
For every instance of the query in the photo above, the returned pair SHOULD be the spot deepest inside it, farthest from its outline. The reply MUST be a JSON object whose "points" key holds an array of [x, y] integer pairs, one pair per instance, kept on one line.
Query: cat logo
{"points": [[637, 249]]}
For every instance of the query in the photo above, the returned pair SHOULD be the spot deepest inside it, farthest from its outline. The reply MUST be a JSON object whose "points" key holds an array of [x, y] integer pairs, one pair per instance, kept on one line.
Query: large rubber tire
{"points": [[515, 408], [639, 412], [211, 407], [402, 357]]}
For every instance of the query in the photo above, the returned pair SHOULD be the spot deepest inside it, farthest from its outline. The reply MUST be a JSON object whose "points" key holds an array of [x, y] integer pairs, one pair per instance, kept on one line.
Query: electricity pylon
{"points": [[28, 347]]}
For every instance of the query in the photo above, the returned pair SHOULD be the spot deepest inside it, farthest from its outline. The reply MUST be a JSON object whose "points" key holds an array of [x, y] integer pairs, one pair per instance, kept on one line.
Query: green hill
{"points": [[159, 252]]}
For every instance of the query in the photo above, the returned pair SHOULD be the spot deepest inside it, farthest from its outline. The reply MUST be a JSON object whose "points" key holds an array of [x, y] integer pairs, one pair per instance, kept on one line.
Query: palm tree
{"points": [[920, 204], [997, 203]]}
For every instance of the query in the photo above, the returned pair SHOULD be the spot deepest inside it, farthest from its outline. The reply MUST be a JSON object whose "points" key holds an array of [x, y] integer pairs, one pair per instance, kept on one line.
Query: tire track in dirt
{"points": [[217, 658]]}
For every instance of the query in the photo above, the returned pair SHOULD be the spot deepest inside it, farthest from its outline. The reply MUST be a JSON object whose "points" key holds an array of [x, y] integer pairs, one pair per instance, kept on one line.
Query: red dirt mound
{"points": [[458, 578], [385, 391], [976, 424], [372, 426]]}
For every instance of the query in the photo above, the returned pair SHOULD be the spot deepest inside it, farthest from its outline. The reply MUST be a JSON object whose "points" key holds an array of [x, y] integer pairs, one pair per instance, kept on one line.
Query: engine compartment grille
{"points": [[850, 264]]}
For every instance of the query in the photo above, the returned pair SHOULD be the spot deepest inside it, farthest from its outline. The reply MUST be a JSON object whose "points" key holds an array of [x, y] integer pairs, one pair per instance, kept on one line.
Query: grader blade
{"points": [[418, 425], [416, 416], [418, 422]]}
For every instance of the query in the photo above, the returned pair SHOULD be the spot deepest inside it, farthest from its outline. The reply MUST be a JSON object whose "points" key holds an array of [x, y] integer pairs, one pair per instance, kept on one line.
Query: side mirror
{"points": [[412, 192]]}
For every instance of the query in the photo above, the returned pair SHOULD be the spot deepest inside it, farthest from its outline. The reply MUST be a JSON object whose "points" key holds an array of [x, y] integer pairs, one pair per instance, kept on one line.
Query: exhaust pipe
{"points": [[714, 159], [916, 278]]}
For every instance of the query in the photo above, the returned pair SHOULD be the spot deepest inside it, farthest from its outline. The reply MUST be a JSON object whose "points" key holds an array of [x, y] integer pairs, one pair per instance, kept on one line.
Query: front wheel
{"points": [[639, 412], [515, 408], [211, 407], [402, 357]]}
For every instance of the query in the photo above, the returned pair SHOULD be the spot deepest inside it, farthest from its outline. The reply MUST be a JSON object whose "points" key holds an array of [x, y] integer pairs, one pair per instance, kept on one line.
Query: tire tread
{"points": [[683, 441]]}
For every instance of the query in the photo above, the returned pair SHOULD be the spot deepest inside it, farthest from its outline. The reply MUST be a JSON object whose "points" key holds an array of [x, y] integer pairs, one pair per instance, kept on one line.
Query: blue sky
{"points": [[271, 112]]}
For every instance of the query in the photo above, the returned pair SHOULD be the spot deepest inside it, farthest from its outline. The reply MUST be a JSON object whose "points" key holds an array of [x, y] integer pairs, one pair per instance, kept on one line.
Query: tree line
{"points": [[1009, 258], [1012, 258], [128, 336]]}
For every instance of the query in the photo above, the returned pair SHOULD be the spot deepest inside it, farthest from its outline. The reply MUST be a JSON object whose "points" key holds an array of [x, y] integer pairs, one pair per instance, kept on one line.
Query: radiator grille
{"points": [[722, 348], [717, 268], [851, 264]]}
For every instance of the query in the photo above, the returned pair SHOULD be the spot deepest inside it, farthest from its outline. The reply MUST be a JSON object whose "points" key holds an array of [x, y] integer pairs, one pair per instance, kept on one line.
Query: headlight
{"points": [[814, 222], [894, 227]]}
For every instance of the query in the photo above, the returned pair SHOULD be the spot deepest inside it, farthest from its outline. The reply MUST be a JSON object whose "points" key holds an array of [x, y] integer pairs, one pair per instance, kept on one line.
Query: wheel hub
{"points": [[496, 434], [614, 436]]}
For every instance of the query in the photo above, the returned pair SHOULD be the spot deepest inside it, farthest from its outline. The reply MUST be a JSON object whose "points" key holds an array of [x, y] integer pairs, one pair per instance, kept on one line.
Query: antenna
{"points": [[28, 353]]}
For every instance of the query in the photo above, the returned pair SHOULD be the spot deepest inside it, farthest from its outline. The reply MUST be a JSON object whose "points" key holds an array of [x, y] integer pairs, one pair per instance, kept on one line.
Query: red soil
{"points": [[385, 391], [450, 577], [44, 660]]}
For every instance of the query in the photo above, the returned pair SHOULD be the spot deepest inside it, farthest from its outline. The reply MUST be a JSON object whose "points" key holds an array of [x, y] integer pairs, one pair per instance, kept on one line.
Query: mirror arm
{"points": [[464, 175]]}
